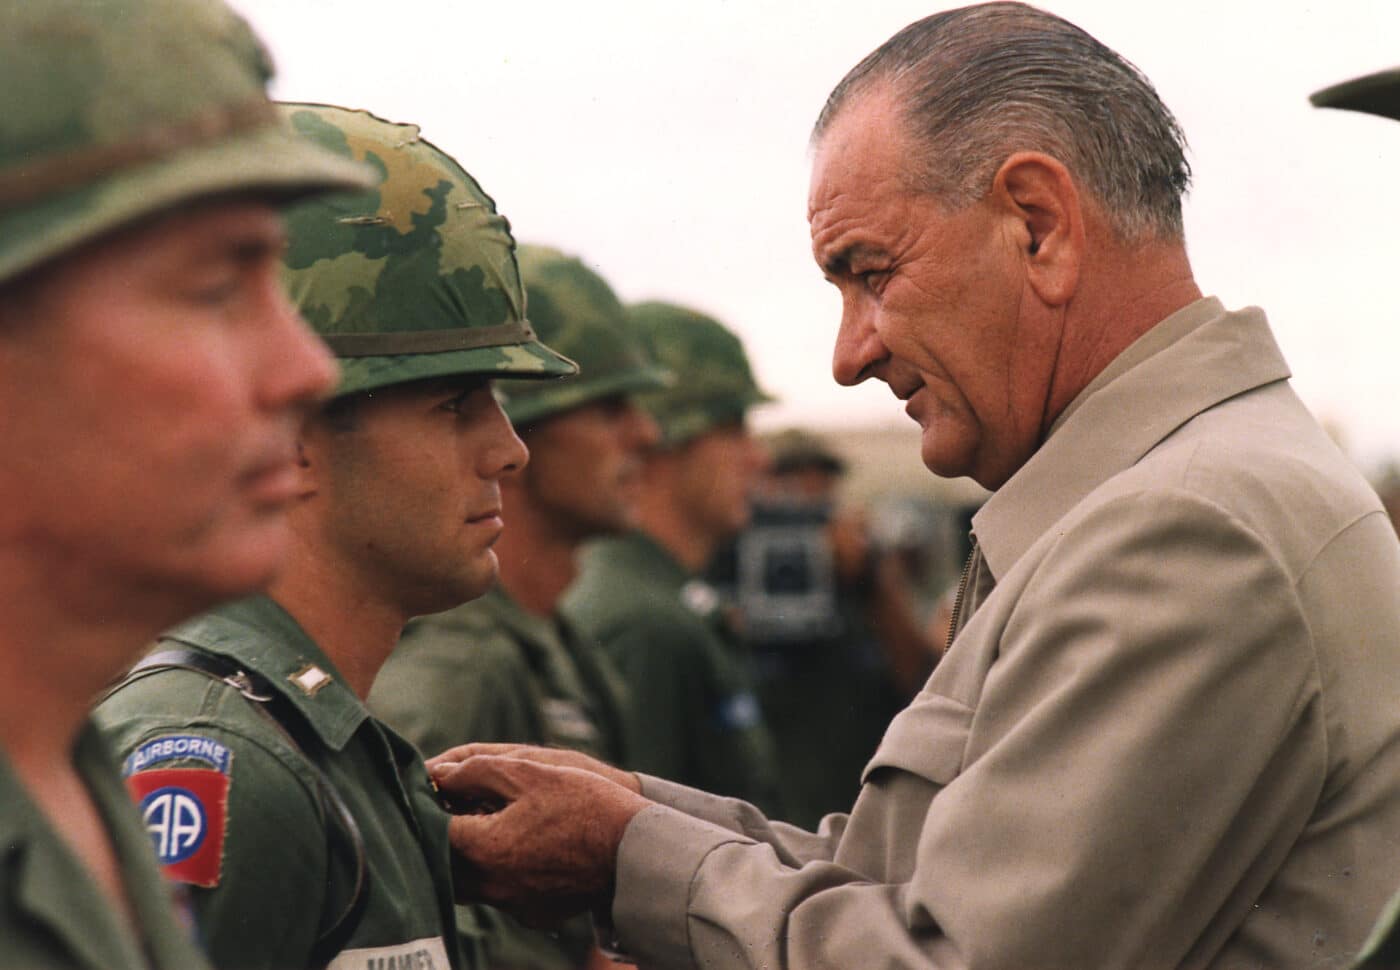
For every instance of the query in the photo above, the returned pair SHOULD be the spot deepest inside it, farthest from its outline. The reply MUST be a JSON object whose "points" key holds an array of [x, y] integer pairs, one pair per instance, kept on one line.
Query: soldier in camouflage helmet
{"points": [[1377, 94], [506, 667], [319, 826], [694, 715], [152, 375]]}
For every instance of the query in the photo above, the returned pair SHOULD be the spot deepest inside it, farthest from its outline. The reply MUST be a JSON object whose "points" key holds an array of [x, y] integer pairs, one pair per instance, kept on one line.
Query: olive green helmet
{"points": [[1377, 94], [575, 312], [415, 278], [114, 110], [794, 450], [714, 383]]}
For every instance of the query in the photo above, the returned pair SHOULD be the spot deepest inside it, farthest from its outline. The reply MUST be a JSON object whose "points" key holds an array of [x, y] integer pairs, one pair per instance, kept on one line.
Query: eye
{"points": [[464, 398], [615, 408], [875, 279], [215, 293]]}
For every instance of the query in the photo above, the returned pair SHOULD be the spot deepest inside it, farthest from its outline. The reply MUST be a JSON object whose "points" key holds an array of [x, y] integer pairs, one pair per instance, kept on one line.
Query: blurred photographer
{"points": [[1377, 94], [830, 615]]}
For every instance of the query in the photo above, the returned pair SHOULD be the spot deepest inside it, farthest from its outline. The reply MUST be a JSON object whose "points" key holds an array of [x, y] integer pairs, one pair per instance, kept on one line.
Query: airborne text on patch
{"points": [[177, 746]]}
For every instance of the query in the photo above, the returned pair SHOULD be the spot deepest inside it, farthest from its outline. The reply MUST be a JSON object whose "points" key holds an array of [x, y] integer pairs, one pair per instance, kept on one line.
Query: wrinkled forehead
{"points": [[231, 232], [863, 153]]}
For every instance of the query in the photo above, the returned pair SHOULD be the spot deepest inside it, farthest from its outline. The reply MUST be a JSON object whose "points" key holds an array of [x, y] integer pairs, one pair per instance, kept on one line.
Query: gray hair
{"points": [[979, 83]]}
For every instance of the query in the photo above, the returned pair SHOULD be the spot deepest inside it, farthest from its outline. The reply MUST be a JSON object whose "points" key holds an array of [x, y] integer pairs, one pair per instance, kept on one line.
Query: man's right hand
{"points": [[545, 847]]}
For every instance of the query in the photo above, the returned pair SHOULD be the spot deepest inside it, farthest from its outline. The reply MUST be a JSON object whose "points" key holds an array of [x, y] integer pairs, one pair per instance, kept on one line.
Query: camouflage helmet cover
{"points": [[114, 110], [576, 312], [796, 450], [415, 278], [714, 383]]}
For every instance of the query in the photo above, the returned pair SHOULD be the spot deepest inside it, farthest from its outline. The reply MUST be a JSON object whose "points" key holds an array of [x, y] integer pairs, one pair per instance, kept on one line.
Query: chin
{"points": [[216, 580], [246, 562], [610, 523], [937, 459], [474, 582]]}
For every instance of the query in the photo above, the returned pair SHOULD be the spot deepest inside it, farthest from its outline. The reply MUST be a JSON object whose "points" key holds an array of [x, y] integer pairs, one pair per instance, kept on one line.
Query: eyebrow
{"points": [[840, 262], [254, 247]]}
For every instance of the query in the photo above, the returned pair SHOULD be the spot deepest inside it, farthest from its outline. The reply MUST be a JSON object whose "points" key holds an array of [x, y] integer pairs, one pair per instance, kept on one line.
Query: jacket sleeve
{"points": [[1133, 765], [794, 846], [269, 879]]}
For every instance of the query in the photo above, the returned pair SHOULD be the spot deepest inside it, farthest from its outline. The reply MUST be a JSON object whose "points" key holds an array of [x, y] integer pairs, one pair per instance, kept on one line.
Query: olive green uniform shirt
{"points": [[489, 670], [52, 914], [694, 715], [287, 869]]}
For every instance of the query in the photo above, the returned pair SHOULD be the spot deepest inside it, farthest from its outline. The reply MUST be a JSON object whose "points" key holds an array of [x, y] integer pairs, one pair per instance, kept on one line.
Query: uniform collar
{"points": [[504, 612], [643, 553], [263, 637], [44, 880], [1191, 361]]}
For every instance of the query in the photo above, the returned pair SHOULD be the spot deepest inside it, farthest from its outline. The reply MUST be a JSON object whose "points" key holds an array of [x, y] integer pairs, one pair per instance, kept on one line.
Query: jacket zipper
{"points": [[962, 591]]}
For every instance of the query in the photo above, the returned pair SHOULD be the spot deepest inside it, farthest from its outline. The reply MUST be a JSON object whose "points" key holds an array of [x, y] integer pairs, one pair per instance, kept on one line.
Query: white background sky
{"points": [[666, 144]]}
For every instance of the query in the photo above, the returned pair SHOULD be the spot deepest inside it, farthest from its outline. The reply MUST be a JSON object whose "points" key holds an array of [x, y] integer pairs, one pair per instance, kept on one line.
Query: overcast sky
{"points": [[666, 144]]}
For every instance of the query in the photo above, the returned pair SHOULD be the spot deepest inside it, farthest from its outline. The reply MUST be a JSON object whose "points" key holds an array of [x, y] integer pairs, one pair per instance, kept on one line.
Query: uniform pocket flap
{"points": [[927, 738]]}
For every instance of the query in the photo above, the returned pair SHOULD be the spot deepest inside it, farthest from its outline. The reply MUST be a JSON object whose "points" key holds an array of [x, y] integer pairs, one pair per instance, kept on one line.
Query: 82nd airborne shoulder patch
{"points": [[185, 809]]}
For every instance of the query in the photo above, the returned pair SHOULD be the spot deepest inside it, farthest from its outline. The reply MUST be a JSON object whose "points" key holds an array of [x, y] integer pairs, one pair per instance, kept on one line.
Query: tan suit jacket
{"points": [[1167, 735]]}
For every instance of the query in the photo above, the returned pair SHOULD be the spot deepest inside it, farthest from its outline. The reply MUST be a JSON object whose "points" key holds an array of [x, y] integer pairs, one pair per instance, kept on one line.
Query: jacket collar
{"points": [[44, 881], [1191, 361], [503, 612], [262, 636], [641, 552]]}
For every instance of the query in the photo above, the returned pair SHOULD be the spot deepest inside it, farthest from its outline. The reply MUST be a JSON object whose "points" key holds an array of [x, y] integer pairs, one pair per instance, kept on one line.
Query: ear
{"points": [[1041, 196]]}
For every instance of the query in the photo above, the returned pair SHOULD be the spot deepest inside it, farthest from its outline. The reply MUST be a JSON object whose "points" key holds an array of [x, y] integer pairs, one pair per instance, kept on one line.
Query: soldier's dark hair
{"points": [[17, 297], [982, 82]]}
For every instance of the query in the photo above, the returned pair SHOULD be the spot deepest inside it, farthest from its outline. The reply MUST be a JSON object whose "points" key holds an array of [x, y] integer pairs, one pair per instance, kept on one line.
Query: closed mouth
{"points": [[905, 391]]}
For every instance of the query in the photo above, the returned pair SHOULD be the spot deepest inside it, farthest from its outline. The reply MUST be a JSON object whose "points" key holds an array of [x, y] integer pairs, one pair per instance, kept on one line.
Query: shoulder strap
{"points": [[273, 706]]}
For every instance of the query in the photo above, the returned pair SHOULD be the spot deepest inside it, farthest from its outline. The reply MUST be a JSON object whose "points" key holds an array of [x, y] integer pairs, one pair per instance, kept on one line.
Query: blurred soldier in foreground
{"points": [[831, 622], [1165, 734], [1377, 94], [310, 829], [694, 714], [152, 375], [506, 667]]}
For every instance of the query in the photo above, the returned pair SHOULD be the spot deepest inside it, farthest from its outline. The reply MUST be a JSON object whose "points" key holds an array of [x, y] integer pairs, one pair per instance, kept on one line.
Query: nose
{"points": [[760, 457], [295, 369], [642, 430], [503, 452], [859, 348]]}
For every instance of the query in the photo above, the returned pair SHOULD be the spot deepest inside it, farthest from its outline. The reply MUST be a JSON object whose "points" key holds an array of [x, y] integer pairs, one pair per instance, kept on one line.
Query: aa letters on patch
{"points": [[185, 809]]}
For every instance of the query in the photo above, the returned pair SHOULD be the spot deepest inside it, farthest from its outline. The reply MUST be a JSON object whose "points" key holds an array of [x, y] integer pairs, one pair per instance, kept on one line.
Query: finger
{"points": [[490, 778], [462, 752]]}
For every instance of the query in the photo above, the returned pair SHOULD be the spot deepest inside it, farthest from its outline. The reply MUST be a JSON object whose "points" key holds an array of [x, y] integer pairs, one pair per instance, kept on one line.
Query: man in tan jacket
{"points": [[1166, 732]]}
